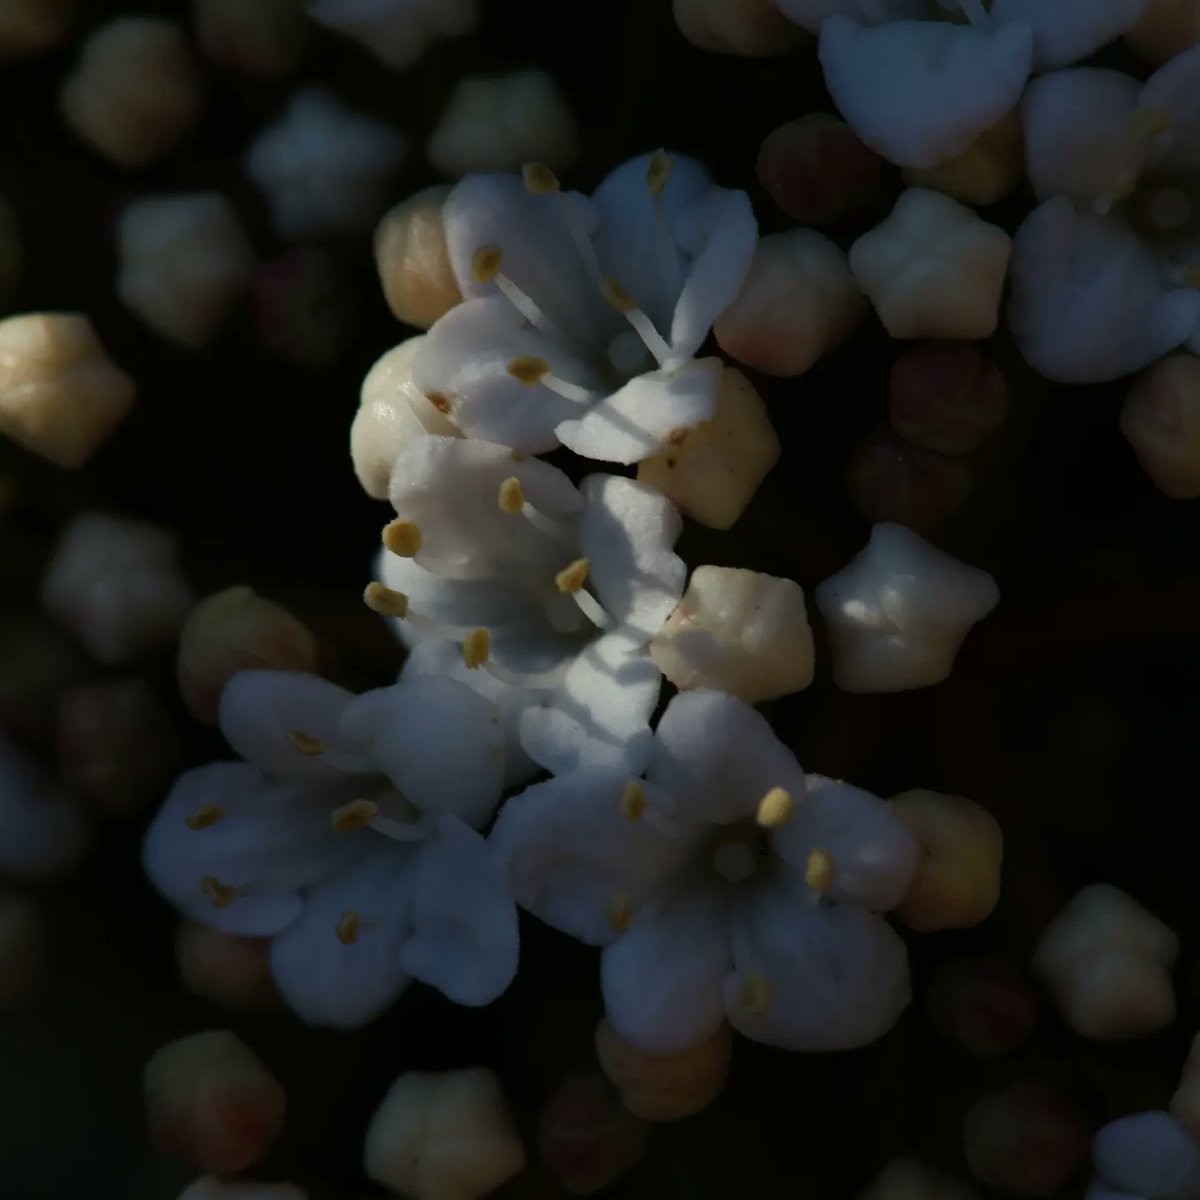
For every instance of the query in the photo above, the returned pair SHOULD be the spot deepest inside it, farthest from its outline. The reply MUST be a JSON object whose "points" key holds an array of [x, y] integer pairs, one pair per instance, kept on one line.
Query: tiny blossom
{"points": [[724, 886], [413, 261], [346, 836], [397, 32], [1145, 1156], [583, 315]]}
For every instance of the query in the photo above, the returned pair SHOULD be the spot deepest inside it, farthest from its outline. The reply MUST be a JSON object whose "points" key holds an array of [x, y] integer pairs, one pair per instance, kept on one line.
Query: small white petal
{"points": [[1174, 89], [1150, 1153], [1064, 31]]}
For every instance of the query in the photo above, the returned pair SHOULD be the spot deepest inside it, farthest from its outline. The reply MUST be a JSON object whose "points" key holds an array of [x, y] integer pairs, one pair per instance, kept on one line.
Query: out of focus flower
{"points": [[225, 968], [31, 26], [397, 32], [905, 1179], [1145, 1156], [265, 38], [753, 28], [1160, 419], [722, 887]]}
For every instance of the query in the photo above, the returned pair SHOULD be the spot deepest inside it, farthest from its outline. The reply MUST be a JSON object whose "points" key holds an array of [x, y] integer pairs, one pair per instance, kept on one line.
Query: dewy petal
{"points": [[1088, 304], [716, 758], [567, 849], [328, 982], [463, 362], [919, 92], [811, 14], [1064, 31], [1174, 89], [600, 714], [1080, 138], [638, 420], [260, 710], [271, 839], [464, 922], [874, 853], [1149, 1153], [626, 533], [662, 979], [438, 741], [839, 975]]}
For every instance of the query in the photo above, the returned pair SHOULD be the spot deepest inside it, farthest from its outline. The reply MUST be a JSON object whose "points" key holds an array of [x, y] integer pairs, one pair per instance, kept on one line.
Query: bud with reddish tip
{"points": [[984, 1004], [238, 630], [413, 261], [1026, 1139], [586, 1138], [818, 171], [22, 948], [946, 396], [305, 308], [225, 969], [211, 1102], [1160, 419]]}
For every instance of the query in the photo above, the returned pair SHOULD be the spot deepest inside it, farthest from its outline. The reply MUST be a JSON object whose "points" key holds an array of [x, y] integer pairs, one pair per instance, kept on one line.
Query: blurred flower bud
{"points": [[985, 172], [265, 38], [751, 28], [1185, 1102], [31, 26], [225, 969], [984, 1004], [413, 262], [1161, 421], [22, 948], [903, 1179], [1165, 30]]}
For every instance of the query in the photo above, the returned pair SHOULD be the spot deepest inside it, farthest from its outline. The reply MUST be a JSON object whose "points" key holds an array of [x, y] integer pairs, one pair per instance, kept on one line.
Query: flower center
{"points": [[738, 852]]}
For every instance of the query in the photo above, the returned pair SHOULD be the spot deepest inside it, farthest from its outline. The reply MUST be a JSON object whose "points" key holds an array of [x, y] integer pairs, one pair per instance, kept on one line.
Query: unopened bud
{"points": [[985, 172], [1161, 421], [225, 969], [413, 262], [904, 1179]]}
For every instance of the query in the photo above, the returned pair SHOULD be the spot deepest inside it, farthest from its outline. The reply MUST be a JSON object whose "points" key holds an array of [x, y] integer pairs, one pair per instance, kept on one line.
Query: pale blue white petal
{"points": [[1174, 89], [1151, 1154], [1064, 31]]}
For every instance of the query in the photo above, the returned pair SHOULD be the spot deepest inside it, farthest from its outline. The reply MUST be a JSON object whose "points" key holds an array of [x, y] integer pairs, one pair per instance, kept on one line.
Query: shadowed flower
{"points": [[1146, 1156]]}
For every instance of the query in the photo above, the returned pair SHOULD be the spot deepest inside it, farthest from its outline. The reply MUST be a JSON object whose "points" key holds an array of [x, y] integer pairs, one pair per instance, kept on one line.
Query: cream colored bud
{"points": [[985, 172], [664, 1088], [264, 38], [1107, 963], [904, 1179], [209, 1187], [212, 1102], [499, 123], [1165, 29], [22, 949], [933, 268], [711, 472], [136, 91], [183, 262], [413, 262], [1161, 421], [446, 1136], [238, 630], [798, 301], [1185, 1102], [957, 883], [31, 26], [737, 631], [751, 28], [225, 969], [115, 584], [60, 395]]}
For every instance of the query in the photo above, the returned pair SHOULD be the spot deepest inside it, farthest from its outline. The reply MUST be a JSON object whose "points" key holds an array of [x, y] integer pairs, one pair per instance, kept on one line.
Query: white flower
{"points": [[556, 591], [1098, 268], [347, 838], [397, 32], [1146, 1156], [583, 315], [722, 887]]}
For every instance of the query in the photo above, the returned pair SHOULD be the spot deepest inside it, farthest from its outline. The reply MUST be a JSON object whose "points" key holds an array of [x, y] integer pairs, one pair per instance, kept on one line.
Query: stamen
{"points": [[539, 179], [347, 928], [658, 172], [633, 800], [757, 993], [485, 263], [531, 371], [358, 814], [219, 894], [620, 911], [512, 495], [573, 577], [591, 608], [204, 816], [306, 743], [485, 267], [821, 871], [775, 808], [477, 648], [403, 538], [625, 304], [657, 175], [385, 601]]}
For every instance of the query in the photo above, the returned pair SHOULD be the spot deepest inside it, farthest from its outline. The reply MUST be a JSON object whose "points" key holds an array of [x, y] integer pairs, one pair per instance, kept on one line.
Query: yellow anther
{"points": [[617, 296], [573, 577], [820, 871], [403, 538], [775, 808], [204, 816], [477, 648], [620, 911], [306, 744], [485, 263], [633, 800], [347, 928], [757, 993], [219, 894], [358, 814], [539, 179], [512, 496], [658, 172], [385, 601], [529, 370]]}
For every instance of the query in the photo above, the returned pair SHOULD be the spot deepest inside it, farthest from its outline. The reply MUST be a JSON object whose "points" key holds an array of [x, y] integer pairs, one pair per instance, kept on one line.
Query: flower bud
{"points": [[1165, 30], [715, 469], [225, 969], [413, 262], [136, 91], [211, 1102], [818, 171], [586, 1138], [798, 301], [445, 1136], [957, 883], [664, 1088], [22, 948], [265, 38], [751, 28], [396, 32], [31, 26], [903, 1179], [60, 395], [983, 1004], [1185, 1103], [985, 172], [237, 630], [1027, 1139], [946, 396], [1160, 419]]}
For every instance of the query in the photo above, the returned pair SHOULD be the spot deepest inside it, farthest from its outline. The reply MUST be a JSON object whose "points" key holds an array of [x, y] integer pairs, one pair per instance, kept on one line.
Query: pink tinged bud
{"points": [[22, 949], [39, 661], [890, 479], [237, 630], [225, 969], [586, 1138], [413, 261], [1160, 419], [984, 1004], [211, 1102], [267, 38], [31, 26], [751, 28], [946, 396], [116, 744], [817, 171], [1028, 1139], [664, 1088]]}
